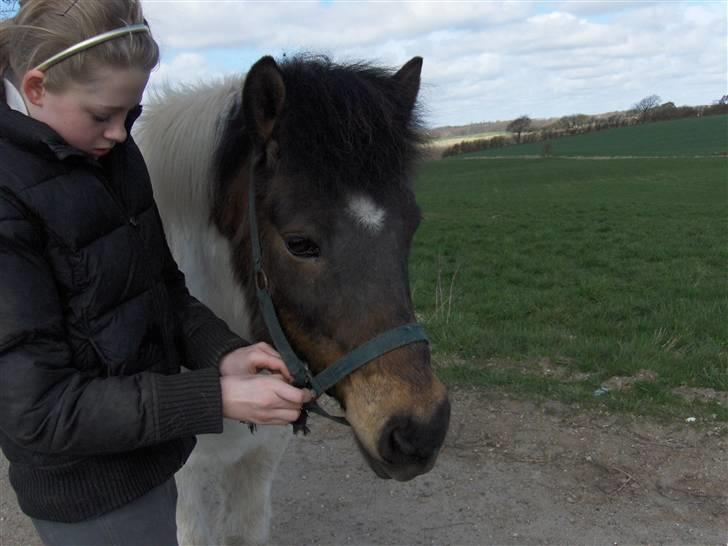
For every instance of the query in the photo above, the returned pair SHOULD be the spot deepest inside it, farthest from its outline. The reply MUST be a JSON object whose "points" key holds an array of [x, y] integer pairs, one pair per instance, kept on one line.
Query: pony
{"points": [[330, 151]]}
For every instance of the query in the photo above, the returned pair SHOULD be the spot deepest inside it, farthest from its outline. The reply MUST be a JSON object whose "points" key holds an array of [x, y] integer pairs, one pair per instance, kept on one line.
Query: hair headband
{"points": [[89, 43]]}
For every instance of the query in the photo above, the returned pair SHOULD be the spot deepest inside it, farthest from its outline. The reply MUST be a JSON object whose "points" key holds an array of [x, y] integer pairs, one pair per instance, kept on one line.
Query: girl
{"points": [[95, 319]]}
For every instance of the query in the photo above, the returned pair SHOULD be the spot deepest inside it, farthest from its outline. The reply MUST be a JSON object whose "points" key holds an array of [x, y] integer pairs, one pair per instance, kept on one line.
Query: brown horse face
{"points": [[338, 272], [336, 239]]}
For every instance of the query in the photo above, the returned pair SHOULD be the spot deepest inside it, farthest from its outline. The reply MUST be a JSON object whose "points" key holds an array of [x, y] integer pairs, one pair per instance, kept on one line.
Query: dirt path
{"points": [[512, 472]]}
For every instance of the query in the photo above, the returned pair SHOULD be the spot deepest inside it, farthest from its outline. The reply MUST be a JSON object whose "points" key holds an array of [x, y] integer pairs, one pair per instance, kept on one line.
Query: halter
{"points": [[302, 376]]}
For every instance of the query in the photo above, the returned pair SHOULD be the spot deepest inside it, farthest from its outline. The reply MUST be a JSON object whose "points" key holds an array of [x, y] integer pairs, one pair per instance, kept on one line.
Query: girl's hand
{"points": [[253, 359], [261, 399]]}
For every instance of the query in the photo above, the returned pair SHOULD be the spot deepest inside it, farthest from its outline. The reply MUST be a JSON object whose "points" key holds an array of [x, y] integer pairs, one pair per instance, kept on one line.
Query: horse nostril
{"points": [[401, 443], [398, 442], [406, 441]]}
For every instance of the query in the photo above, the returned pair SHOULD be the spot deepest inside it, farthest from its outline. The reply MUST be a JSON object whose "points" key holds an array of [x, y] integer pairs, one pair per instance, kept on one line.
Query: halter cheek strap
{"points": [[89, 43]]}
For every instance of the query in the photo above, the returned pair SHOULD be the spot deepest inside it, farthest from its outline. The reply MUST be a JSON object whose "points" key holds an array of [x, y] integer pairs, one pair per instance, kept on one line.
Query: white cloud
{"points": [[599, 8], [283, 24], [483, 60], [186, 67]]}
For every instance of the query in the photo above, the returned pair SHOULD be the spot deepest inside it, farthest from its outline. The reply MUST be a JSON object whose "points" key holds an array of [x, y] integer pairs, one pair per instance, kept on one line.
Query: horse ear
{"points": [[408, 78], [263, 96]]}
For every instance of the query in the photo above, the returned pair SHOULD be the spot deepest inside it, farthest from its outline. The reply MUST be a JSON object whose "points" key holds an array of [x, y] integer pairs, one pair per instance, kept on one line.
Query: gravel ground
{"points": [[511, 472]]}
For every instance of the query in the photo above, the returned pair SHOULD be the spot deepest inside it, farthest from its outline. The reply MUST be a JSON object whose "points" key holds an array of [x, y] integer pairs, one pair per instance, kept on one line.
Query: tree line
{"points": [[647, 110]]}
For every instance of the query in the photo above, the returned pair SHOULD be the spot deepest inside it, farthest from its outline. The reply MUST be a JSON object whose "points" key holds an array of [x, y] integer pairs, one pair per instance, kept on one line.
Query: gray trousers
{"points": [[147, 521]]}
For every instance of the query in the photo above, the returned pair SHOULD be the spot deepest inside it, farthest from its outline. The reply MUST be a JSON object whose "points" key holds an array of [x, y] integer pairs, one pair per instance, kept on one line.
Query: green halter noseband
{"points": [[302, 376]]}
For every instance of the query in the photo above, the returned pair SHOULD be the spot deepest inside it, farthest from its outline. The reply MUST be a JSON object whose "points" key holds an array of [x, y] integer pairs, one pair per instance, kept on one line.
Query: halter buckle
{"points": [[261, 280]]}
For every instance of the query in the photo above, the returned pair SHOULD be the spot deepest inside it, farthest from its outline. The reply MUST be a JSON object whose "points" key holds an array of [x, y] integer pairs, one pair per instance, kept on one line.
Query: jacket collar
{"points": [[13, 97]]}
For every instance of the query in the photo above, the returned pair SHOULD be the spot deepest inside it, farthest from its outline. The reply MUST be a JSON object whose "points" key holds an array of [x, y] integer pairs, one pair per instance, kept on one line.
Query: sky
{"points": [[483, 60]]}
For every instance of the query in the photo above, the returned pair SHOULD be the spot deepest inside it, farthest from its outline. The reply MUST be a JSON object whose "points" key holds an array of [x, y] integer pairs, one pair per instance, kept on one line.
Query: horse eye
{"points": [[302, 247]]}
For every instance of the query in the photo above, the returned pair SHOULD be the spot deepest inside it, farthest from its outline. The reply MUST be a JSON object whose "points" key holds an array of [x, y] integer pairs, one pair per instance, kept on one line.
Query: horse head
{"points": [[330, 151]]}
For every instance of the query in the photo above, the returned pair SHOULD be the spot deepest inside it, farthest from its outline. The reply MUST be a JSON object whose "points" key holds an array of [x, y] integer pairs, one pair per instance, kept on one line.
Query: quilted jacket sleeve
{"points": [[47, 404]]}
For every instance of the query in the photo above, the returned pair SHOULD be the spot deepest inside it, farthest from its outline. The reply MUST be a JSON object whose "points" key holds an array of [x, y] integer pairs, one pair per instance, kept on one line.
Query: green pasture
{"points": [[550, 276], [704, 136]]}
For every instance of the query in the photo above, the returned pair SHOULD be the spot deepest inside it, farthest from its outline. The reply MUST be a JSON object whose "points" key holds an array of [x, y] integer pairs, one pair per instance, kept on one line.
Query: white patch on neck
{"points": [[366, 213]]}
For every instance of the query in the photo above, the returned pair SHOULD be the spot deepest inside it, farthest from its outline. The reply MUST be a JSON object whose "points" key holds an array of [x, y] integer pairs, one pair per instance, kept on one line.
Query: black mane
{"points": [[346, 124]]}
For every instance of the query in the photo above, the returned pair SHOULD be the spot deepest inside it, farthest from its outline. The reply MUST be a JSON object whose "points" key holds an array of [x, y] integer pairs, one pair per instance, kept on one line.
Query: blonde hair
{"points": [[42, 28]]}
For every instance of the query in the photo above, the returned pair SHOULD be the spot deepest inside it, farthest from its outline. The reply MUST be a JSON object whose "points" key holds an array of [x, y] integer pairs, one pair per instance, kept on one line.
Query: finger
{"points": [[263, 357], [293, 395], [275, 366], [267, 349], [279, 417]]}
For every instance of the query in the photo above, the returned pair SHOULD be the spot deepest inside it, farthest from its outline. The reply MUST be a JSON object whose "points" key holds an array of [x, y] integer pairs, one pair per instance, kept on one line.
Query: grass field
{"points": [[688, 137], [551, 276]]}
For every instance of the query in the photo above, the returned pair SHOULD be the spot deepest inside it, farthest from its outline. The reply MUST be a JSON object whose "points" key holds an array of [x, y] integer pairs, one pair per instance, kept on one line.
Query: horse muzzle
{"points": [[408, 447]]}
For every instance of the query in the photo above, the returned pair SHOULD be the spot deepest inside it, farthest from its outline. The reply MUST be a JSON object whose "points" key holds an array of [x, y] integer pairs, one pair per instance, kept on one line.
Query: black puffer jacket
{"points": [[95, 321]]}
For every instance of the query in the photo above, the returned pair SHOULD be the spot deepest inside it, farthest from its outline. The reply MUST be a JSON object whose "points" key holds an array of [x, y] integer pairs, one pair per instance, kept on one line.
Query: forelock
{"points": [[346, 125]]}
